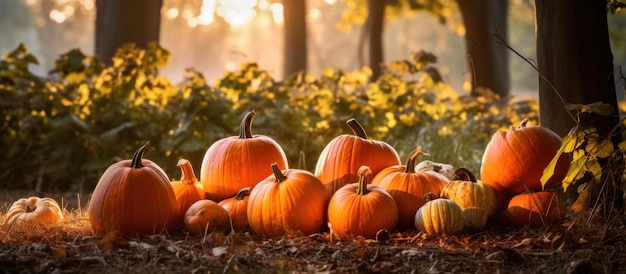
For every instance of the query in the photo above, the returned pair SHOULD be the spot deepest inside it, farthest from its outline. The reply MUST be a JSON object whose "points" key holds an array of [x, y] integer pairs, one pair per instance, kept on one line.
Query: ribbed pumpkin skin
{"points": [[290, 200], [469, 194], [188, 189], [345, 154], [231, 163], [521, 155], [237, 207], [408, 187], [133, 200], [440, 216], [354, 213], [34, 210], [207, 216], [530, 208]]}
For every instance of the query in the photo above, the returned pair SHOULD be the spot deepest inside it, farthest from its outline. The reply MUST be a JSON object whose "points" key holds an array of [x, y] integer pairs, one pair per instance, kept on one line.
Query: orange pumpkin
{"points": [[534, 209], [342, 157], [231, 163], [133, 197], [206, 216], [188, 190], [237, 207], [408, 187], [288, 201], [34, 210], [516, 159], [362, 209]]}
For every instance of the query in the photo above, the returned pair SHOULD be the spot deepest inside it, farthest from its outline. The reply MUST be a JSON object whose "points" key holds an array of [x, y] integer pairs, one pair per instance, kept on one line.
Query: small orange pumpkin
{"points": [[205, 216], [439, 216], [362, 209], [188, 189], [288, 201], [408, 187], [342, 157], [515, 160], [231, 163], [34, 210], [237, 207], [133, 197], [534, 209]]}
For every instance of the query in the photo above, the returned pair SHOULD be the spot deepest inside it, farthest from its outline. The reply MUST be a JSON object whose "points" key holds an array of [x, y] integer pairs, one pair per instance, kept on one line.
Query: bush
{"points": [[65, 130]]}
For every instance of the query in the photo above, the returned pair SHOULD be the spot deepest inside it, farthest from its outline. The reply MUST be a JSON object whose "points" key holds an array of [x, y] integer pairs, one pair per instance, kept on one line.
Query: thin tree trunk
{"points": [[488, 64], [295, 37], [375, 23], [119, 22]]}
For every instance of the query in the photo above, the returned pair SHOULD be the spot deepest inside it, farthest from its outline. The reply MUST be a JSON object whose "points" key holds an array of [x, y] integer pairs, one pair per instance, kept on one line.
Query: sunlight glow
{"points": [[58, 16], [330, 2], [277, 12], [314, 13], [172, 13]]}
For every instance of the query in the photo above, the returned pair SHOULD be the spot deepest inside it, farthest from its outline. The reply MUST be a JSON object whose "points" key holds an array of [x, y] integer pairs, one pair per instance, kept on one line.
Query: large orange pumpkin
{"points": [[237, 207], [286, 202], [188, 189], [408, 187], [362, 209], [534, 209], [342, 157], [231, 163], [516, 159], [133, 197]]}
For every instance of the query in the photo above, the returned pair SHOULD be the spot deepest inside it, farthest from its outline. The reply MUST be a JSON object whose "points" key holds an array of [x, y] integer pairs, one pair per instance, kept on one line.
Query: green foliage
{"points": [[67, 129]]}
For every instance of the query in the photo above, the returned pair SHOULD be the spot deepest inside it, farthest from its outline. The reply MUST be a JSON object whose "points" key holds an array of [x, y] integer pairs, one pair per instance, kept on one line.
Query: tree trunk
{"points": [[574, 56], [488, 64], [119, 22], [295, 37], [375, 22]]}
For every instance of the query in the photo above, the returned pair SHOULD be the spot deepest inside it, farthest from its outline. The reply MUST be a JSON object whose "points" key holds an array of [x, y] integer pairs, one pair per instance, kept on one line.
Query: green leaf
{"points": [[597, 108]]}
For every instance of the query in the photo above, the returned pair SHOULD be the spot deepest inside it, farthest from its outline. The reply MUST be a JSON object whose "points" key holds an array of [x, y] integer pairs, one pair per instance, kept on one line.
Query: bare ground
{"points": [[582, 244]]}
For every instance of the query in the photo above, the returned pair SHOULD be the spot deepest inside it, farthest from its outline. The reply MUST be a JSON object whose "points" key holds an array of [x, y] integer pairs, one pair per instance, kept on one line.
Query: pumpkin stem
{"points": [[430, 197], [523, 123], [136, 161], [365, 176], [410, 161], [243, 192], [464, 174], [30, 209], [246, 124], [280, 177], [357, 129], [188, 176]]}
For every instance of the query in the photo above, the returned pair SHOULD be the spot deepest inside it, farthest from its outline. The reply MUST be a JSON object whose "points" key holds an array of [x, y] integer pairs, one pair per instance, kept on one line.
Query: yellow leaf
{"points": [[574, 171], [583, 199], [622, 145], [569, 143], [600, 149]]}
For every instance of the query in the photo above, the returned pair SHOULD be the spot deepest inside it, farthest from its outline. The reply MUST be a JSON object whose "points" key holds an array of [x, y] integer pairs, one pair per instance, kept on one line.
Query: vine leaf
{"points": [[583, 198], [599, 108]]}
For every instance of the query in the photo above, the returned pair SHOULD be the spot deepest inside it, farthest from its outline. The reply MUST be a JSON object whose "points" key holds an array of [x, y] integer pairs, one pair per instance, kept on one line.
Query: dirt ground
{"points": [[581, 244]]}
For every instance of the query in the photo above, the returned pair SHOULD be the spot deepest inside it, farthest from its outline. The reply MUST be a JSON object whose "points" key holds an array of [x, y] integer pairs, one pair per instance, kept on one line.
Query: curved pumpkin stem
{"points": [[246, 124], [430, 197], [523, 123], [244, 191], [188, 176], [410, 160], [365, 176], [280, 177], [464, 174], [136, 161], [357, 129]]}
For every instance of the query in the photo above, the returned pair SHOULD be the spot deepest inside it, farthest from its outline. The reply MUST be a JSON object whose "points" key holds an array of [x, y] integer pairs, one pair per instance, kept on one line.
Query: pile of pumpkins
{"points": [[359, 188]]}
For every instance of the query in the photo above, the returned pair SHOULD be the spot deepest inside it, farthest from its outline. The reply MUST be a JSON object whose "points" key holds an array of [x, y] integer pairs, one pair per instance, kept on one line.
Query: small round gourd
{"points": [[34, 210], [440, 216]]}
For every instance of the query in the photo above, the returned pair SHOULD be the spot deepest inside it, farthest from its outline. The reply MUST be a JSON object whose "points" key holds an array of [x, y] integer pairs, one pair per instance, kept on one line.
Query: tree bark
{"points": [[295, 48], [574, 55], [488, 64], [119, 22], [375, 22]]}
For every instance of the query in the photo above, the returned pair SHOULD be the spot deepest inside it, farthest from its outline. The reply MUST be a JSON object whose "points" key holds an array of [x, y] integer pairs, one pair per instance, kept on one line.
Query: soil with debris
{"points": [[582, 244]]}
